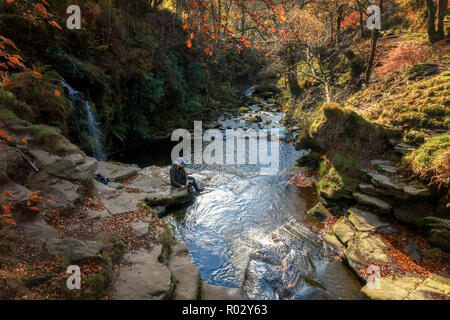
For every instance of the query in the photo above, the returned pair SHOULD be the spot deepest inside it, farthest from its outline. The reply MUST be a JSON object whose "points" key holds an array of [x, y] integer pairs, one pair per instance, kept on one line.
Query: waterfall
{"points": [[85, 120]]}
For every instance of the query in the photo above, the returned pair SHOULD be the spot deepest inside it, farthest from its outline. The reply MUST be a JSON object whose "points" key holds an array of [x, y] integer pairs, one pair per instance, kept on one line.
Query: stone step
{"points": [[371, 201], [365, 221]]}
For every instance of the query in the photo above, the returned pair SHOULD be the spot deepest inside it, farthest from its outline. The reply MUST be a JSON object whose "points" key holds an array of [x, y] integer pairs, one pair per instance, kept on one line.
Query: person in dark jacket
{"points": [[179, 178]]}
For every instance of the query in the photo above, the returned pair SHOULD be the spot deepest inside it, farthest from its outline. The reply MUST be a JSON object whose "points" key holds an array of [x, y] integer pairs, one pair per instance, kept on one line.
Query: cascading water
{"points": [[85, 119]]}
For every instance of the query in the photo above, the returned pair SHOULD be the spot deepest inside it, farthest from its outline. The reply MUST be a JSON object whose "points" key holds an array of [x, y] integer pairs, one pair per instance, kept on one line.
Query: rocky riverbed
{"points": [[113, 229]]}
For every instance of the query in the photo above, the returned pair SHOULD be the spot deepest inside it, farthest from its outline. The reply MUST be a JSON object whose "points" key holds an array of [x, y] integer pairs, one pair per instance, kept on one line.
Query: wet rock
{"points": [[145, 278], [74, 250], [365, 221], [160, 211], [344, 231], [365, 249], [167, 198], [140, 228], [342, 284], [116, 172], [319, 212], [187, 275], [364, 199], [211, 292], [262, 88]]}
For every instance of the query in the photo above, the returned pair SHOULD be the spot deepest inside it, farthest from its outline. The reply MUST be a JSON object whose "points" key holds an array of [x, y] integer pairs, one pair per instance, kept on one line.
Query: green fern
{"points": [[437, 222]]}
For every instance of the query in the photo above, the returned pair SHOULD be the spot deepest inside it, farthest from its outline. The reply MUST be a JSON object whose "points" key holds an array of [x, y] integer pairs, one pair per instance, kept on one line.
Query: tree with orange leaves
{"points": [[8, 60]]}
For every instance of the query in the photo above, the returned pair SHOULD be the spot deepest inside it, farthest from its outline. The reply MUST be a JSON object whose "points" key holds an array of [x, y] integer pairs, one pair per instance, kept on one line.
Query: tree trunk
{"points": [[373, 49], [294, 87], [327, 91], [441, 16], [340, 16], [431, 17]]}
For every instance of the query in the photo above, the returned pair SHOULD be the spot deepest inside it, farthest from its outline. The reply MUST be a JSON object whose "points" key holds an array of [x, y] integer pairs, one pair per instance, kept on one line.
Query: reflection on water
{"points": [[251, 231]]}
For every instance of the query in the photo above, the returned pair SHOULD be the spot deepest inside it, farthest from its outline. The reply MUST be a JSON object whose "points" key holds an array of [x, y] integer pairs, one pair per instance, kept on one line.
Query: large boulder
{"points": [[167, 198], [144, 278], [187, 275], [37, 228], [73, 167], [116, 172], [74, 250]]}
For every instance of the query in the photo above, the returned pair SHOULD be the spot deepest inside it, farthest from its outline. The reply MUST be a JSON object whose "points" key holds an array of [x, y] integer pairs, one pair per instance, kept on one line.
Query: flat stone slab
{"points": [[435, 287], [366, 249], [145, 278], [365, 221], [344, 230], [369, 189], [387, 168], [124, 203], [392, 288], [378, 162], [116, 172], [103, 188], [416, 191], [187, 275], [383, 181], [403, 148], [365, 199], [149, 184], [140, 228], [74, 250], [211, 292]]}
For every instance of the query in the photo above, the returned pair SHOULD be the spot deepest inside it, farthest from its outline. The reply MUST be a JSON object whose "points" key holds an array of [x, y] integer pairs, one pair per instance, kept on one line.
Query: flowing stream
{"points": [[251, 230]]}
